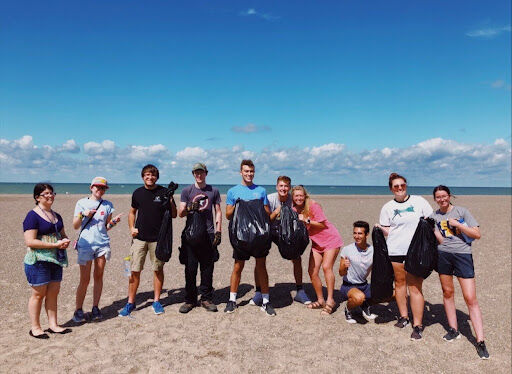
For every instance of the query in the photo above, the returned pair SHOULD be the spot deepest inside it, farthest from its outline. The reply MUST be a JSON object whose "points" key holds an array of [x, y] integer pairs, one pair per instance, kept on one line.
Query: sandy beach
{"points": [[296, 340]]}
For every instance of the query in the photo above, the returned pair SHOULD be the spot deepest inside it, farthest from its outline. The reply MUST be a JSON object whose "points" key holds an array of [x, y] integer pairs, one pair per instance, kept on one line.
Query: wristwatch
{"points": [[308, 221]]}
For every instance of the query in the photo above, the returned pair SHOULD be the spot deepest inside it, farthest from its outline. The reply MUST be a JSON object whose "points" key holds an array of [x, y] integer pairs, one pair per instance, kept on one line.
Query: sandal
{"points": [[315, 305], [327, 309]]}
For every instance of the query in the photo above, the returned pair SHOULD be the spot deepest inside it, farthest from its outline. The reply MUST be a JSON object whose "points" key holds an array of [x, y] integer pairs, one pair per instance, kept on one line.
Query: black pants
{"points": [[199, 257]]}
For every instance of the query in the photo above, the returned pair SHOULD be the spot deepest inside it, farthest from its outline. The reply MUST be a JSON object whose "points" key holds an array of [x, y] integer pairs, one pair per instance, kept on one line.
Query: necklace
{"points": [[51, 220]]}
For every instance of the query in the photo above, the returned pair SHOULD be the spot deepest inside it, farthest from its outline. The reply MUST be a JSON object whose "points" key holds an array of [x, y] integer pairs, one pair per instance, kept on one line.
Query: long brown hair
{"points": [[307, 199]]}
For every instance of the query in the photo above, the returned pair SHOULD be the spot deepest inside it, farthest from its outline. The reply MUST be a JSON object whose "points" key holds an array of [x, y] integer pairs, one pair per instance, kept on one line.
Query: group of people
{"points": [[47, 244]]}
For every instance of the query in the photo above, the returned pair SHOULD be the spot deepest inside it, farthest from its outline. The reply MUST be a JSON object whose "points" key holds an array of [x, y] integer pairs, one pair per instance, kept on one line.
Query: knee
{"points": [[327, 268], [448, 293], [471, 301], [85, 279], [356, 299], [98, 276]]}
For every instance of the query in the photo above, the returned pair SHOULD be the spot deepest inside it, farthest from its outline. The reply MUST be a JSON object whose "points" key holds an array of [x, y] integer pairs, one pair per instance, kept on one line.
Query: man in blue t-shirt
{"points": [[247, 190]]}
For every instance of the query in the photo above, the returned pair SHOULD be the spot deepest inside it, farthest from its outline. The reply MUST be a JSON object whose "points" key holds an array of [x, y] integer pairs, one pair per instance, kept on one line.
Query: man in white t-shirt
{"points": [[355, 266]]}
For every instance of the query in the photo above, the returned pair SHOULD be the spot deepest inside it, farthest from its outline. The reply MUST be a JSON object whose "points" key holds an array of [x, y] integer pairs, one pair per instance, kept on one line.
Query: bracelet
{"points": [[111, 224], [80, 216]]}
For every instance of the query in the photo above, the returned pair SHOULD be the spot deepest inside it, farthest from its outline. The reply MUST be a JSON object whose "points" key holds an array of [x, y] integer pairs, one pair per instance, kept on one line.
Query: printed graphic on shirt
{"points": [[447, 231], [157, 199], [203, 201], [398, 212]]}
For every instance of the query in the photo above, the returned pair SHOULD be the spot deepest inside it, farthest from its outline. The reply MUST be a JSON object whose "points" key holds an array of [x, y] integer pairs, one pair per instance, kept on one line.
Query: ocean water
{"points": [[83, 189]]}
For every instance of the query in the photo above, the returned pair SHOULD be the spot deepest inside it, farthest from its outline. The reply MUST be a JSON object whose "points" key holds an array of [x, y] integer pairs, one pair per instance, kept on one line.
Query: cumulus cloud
{"points": [[429, 162], [70, 146], [488, 32], [251, 12], [250, 128]]}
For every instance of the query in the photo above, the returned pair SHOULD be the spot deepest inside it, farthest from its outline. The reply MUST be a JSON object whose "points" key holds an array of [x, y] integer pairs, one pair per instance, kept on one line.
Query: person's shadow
{"points": [[221, 296], [434, 313]]}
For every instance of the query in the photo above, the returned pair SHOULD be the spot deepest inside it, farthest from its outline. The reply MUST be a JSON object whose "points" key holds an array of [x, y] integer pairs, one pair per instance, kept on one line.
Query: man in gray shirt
{"points": [[276, 200], [355, 266]]}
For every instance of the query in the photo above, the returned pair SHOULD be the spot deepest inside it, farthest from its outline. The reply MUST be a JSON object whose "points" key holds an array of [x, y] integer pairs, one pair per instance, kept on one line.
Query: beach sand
{"points": [[296, 340]]}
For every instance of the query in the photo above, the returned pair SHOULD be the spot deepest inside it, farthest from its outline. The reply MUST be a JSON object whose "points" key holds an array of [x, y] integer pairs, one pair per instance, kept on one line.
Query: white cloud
{"points": [[70, 146], [193, 154], [99, 149], [327, 150], [488, 32], [250, 128], [251, 12]]}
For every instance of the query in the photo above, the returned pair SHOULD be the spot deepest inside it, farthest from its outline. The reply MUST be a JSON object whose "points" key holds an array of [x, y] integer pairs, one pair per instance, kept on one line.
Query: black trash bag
{"points": [[293, 235], [163, 249], [195, 232], [422, 254], [249, 228], [382, 271]]}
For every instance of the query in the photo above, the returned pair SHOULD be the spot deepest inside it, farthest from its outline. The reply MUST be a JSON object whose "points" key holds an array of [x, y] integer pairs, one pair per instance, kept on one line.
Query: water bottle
{"points": [[127, 263]]}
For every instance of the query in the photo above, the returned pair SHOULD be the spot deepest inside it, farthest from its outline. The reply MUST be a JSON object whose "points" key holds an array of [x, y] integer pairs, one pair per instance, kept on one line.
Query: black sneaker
{"points": [[96, 313], [482, 350], [451, 335], [230, 307], [417, 332], [367, 314], [402, 322], [348, 316], [185, 308], [267, 308]]}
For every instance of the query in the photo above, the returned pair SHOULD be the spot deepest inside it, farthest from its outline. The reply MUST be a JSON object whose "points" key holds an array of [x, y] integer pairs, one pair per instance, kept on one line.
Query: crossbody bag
{"points": [[75, 244]]}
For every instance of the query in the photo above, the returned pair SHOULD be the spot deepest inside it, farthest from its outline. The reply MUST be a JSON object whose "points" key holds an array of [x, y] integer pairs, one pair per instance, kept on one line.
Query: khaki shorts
{"points": [[139, 251]]}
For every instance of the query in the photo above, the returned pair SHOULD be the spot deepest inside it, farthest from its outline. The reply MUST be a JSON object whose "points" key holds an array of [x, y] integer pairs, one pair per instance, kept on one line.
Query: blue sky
{"points": [[331, 92]]}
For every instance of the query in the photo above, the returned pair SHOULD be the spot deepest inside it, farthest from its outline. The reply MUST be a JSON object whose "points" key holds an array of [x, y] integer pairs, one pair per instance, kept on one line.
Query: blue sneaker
{"points": [[302, 297], [79, 316], [128, 308], [257, 299], [96, 313], [158, 308]]}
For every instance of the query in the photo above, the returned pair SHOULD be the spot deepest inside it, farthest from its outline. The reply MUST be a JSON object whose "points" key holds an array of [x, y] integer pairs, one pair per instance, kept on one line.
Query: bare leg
{"points": [[355, 298], [133, 285], [261, 269], [99, 267], [400, 288], [34, 308], [81, 290], [158, 283], [469, 291], [449, 300], [50, 304], [329, 257], [257, 282], [236, 275], [297, 271], [315, 261], [414, 284]]}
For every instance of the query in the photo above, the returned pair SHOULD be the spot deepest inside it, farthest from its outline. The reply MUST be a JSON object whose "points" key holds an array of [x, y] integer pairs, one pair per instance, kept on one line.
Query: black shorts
{"points": [[399, 259], [458, 264], [243, 256]]}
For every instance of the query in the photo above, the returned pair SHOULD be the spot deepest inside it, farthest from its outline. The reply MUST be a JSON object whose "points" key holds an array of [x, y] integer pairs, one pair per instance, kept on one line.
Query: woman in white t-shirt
{"points": [[398, 220]]}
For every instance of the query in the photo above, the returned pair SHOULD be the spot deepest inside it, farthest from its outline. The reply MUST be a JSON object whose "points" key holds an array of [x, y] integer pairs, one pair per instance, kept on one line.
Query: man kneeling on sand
{"points": [[355, 266]]}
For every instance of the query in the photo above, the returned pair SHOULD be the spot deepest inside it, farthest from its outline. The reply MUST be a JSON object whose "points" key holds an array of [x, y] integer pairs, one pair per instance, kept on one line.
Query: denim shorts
{"points": [[458, 264], [43, 272], [364, 288], [88, 254]]}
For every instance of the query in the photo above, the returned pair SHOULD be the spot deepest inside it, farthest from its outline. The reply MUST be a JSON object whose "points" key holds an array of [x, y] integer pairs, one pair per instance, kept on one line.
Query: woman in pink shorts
{"points": [[326, 242]]}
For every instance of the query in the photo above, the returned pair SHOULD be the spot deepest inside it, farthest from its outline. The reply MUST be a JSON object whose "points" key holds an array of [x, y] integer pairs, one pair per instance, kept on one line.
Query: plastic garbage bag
{"points": [[382, 271], [195, 232], [249, 229], [163, 249], [293, 235], [422, 254]]}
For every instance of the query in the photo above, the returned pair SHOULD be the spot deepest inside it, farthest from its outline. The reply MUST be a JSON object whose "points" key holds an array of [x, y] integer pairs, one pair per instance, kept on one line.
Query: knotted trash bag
{"points": [[422, 254], [293, 234], [249, 228], [163, 249], [382, 271], [195, 232]]}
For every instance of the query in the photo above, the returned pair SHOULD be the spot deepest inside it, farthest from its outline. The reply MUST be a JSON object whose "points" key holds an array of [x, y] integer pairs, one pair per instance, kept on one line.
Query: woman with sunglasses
{"points": [[457, 229], [325, 246], [93, 216], [46, 255], [398, 220]]}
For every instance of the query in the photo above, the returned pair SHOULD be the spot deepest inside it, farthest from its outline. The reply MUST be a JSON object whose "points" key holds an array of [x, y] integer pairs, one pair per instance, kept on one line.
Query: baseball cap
{"points": [[199, 166], [99, 181]]}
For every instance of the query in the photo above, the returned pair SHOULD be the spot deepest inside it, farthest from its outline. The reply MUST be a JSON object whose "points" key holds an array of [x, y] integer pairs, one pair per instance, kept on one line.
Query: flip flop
{"points": [[40, 336], [315, 305], [327, 309], [65, 331]]}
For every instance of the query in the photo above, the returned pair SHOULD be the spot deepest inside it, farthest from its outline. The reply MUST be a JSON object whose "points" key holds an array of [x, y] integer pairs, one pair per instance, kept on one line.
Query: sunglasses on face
{"points": [[48, 194], [396, 187], [102, 188]]}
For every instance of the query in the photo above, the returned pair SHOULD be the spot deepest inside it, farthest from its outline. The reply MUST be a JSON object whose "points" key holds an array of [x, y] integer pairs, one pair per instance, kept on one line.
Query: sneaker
{"points": [[158, 308], [128, 308], [257, 300], [185, 308], [79, 316], [417, 333], [402, 322], [267, 308], [302, 297], [96, 313], [451, 335], [482, 350], [348, 316], [209, 306], [367, 314], [230, 307]]}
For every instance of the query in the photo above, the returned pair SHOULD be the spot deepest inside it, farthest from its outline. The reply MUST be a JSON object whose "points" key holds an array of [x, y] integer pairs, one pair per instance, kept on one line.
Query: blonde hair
{"points": [[307, 199]]}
